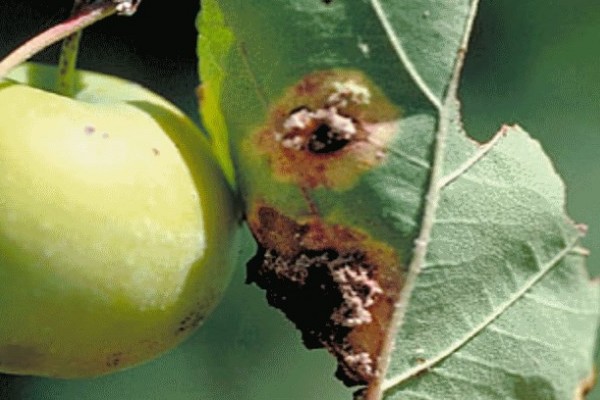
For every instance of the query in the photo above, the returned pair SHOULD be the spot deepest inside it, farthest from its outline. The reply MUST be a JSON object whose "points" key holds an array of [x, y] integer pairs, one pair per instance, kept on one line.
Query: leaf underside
{"points": [[497, 303]]}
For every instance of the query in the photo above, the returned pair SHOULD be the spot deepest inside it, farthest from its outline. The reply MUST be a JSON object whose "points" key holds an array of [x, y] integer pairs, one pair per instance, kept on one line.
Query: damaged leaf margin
{"points": [[398, 384], [493, 233]]}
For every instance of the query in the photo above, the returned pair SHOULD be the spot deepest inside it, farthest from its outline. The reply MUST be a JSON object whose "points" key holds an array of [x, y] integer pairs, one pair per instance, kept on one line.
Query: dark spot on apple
{"points": [[327, 1], [155, 151], [151, 345], [352, 280], [114, 360], [89, 130], [191, 321], [105, 135]]}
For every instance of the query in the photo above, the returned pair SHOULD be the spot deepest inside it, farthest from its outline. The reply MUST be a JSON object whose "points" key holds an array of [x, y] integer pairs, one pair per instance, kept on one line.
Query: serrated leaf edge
{"points": [[543, 270]]}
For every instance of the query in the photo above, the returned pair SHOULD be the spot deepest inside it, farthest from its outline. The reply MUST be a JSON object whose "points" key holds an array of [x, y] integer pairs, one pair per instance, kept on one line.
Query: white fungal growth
{"points": [[299, 120], [359, 291], [349, 92], [299, 126], [342, 126], [364, 48], [294, 142], [360, 362], [328, 128]]}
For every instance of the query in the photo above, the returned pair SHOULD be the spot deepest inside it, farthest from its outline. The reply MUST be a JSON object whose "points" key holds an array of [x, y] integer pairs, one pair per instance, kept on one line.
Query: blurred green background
{"points": [[532, 63]]}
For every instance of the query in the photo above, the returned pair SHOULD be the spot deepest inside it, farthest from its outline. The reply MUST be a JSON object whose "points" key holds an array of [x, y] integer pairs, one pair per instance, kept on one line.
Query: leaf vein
{"points": [[520, 338], [418, 162], [560, 307], [544, 269], [259, 93], [474, 159], [401, 53]]}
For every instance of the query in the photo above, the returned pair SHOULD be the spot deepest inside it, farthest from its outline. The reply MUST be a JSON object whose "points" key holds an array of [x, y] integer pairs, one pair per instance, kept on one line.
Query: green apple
{"points": [[117, 227]]}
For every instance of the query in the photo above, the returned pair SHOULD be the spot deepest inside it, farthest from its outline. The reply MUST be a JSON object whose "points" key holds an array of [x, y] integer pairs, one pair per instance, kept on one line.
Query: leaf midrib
{"points": [[377, 388]]}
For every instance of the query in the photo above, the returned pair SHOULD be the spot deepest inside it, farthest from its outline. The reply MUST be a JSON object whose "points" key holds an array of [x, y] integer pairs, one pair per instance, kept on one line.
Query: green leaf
{"points": [[496, 301], [214, 46], [501, 307]]}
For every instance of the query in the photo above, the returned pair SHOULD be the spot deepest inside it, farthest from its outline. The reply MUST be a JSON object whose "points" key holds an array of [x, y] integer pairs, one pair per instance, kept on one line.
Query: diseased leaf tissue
{"points": [[431, 266]]}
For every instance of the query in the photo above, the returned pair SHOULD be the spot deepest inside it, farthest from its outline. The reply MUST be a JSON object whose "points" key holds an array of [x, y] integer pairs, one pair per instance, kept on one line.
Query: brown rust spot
{"points": [[327, 129], [586, 385], [335, 283]]}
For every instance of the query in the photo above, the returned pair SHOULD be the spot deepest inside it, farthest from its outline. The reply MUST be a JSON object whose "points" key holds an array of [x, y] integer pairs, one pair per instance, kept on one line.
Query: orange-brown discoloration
{"points": [[586, 385], [327, 130], [200, 93], [353, 279]]}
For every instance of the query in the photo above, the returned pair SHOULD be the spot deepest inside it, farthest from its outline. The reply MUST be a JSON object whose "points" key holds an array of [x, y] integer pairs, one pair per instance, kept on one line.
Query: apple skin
{"points": [[118, 230]]}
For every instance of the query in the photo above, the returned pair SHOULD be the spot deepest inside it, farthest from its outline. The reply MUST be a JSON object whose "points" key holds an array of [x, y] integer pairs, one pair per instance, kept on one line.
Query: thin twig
{"points": [[81, 20]]}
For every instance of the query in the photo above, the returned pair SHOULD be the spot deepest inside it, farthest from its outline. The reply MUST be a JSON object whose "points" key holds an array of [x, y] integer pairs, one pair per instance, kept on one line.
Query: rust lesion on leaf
{"points": [[337, 284], [327, 129]]}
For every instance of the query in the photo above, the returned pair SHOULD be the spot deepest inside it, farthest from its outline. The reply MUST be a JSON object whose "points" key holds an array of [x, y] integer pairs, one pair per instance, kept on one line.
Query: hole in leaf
{"points": [[325, 140]]}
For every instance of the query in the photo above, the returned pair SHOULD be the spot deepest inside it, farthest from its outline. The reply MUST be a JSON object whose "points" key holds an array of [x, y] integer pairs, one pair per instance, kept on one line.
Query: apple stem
{"points": [[68, 57], [81, 19]]}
